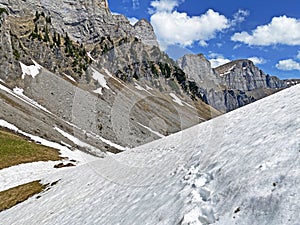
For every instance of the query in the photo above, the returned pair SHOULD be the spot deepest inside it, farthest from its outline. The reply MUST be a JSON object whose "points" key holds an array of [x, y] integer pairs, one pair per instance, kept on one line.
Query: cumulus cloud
{"points": [[163, 5], [257, 60], [288, 64], [172, 27], [281, 30], [217, 60]]}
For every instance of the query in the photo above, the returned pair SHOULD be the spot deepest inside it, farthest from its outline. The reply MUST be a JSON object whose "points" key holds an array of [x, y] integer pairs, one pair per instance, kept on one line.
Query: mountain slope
{"points": [[207, 174], [111, 84]]}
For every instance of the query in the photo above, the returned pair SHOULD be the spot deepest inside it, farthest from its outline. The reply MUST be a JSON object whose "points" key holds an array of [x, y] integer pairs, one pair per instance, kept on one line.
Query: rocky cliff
{"points": [[243, 75], [84, 21], [232, 85]]}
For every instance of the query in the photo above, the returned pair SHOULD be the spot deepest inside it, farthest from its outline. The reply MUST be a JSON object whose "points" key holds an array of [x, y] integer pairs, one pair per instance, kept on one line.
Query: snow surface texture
{"points": [[240, 168]]}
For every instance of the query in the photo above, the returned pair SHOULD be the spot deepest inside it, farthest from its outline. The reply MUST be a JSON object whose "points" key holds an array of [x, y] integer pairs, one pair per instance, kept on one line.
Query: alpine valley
{"points": [[79, 79]]}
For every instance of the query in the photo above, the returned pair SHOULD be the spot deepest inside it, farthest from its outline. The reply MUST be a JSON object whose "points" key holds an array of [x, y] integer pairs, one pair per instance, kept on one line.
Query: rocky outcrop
{"points": [[84, 21], [144, 31], [243, 75], [198, 68], [229, 86], [292, 82]]}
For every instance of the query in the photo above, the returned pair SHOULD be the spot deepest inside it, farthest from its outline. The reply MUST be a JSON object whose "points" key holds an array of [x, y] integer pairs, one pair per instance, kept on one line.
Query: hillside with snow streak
{"points": [[240, 168]]}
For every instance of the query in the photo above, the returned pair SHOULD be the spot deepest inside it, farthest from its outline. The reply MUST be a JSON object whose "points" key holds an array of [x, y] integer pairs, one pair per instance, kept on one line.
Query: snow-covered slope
{"points": [[240, 168]]}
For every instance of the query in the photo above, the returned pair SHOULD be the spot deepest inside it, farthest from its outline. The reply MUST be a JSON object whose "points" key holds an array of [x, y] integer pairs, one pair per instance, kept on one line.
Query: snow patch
{"points": [[19, 92], [148, 88], [110, 143], [139, 87], [28, 172], [9, 126], [70, 78], [90, 56], [25, 173], [189, 105], [98, 91], [231, 68], [223, 74], [23, 98], [176, 99], [65, 151], [79, 143], [32, 70], [101, 79], [152, 131]]}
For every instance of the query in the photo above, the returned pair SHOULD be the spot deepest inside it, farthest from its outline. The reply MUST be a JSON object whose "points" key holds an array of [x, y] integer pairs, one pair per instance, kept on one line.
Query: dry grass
{"points": [[15, 150], [13, 196]]}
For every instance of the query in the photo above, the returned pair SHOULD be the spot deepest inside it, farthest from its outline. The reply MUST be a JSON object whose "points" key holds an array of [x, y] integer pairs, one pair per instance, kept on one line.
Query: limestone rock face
{"points": [[198, 68], [243, 75], [229, 86], [144, 31], [84, 21]]}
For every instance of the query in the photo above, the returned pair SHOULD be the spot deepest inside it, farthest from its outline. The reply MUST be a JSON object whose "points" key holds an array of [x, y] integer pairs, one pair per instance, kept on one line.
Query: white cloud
{"points": [[217, 60], [133, 20], [179, 28], [288, 64], [281, 30], [163, 5], [239, 16], [298, 56], [135, 4], [257, 60]]}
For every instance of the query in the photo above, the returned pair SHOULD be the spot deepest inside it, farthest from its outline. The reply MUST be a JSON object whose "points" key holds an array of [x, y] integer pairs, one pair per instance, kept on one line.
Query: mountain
{"points": [[76, 66], [202, 175], [232, 85]]}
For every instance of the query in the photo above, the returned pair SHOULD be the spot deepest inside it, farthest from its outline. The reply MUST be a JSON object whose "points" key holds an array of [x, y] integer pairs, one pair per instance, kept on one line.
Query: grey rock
{"points": [[232, 85], [198, 68], [84, 21], [243, 75]]}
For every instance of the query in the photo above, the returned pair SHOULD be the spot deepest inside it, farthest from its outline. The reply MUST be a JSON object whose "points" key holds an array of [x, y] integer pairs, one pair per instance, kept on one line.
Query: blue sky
{"points": [[265, 31]]}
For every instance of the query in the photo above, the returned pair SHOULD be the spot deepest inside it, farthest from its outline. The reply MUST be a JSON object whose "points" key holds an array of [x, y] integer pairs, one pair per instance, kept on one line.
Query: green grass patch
{"points": [[13, 196], [15, 150]]}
